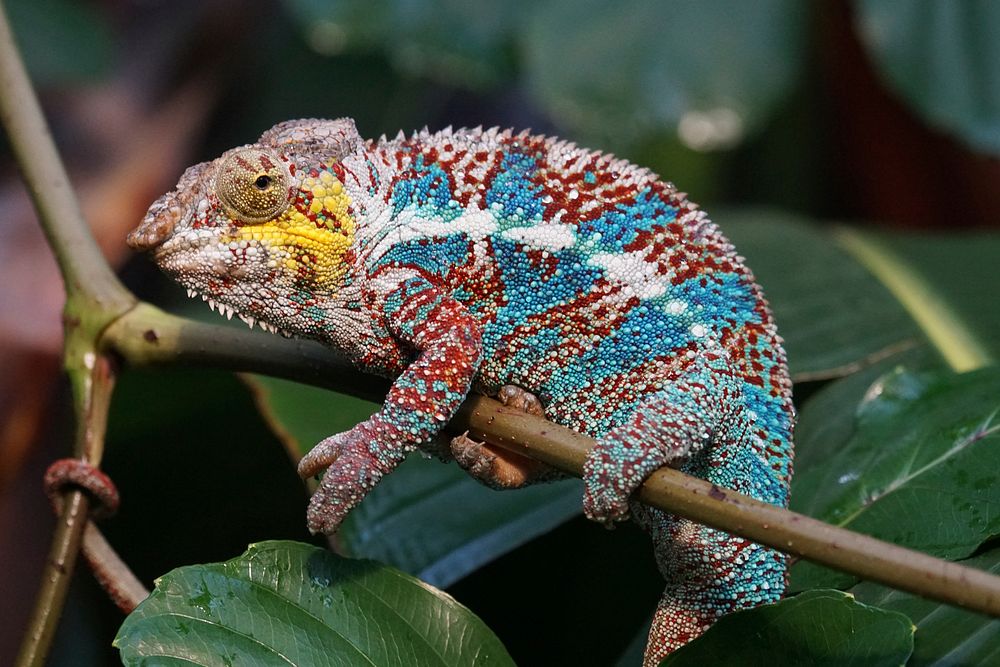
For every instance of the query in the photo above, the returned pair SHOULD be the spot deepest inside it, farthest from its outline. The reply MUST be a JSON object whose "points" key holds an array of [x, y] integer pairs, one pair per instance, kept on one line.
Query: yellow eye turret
{"points": [[253, 185]]}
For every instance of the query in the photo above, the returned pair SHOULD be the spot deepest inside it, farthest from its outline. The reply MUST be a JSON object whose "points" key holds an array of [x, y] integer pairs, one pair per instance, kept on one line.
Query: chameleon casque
{"points": [[564, 280]]}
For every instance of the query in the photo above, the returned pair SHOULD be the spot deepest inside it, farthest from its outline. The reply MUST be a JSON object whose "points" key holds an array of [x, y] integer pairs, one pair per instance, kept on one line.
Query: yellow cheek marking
{"points": [[306, 251]]}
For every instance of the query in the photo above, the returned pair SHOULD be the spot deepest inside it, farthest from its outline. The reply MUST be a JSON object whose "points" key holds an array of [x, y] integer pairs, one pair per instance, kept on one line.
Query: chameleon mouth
{"points": [[229, 311]]}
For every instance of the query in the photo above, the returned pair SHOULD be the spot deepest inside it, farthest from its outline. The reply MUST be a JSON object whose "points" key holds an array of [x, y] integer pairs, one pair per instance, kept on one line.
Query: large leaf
{"points": [[815, 628], [919, 471], [945, 635], [828, 419], [712, 70], [963, 272], [426, 518], [943, 58], [287, 603]]}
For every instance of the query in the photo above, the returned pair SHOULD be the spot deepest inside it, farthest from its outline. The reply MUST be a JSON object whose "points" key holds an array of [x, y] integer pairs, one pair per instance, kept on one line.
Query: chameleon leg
{"points": [[667, 428], [701, 423], [496, 467], [420, 402]]}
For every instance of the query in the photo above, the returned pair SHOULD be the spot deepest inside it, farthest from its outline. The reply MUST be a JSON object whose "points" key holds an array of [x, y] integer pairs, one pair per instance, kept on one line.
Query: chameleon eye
{"points": [[253, 185]]}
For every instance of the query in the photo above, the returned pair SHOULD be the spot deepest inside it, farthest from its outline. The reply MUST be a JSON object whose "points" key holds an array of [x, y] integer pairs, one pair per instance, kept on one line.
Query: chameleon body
{"points": [[476, 260]]}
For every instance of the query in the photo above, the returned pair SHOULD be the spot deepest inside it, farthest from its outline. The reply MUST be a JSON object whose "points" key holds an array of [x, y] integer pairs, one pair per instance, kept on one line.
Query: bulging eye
{"points": [[253, 185]]}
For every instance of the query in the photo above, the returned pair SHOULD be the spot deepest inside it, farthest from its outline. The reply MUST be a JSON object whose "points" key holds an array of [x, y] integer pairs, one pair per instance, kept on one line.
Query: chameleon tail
{"points": [[709, 573]]}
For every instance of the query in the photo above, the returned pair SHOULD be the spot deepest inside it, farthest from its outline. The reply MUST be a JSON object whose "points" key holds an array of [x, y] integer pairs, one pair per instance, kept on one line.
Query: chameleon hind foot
{"points": [[496, 467]]}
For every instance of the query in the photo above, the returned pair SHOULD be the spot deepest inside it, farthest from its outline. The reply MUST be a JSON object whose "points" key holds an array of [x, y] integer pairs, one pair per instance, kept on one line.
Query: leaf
{"points": [[962, 269], [920, 470], [946, 635], [819, 627], [287, 603], [943, 58], [714, 71], [426, 518], [828, 419]]}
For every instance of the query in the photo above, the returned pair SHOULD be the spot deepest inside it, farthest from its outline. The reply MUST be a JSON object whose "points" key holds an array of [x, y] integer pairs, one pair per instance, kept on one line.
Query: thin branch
{"points": [[80, 260], [147, 336], [110, 570], [92, 410], [701, 501], [94, 298]]}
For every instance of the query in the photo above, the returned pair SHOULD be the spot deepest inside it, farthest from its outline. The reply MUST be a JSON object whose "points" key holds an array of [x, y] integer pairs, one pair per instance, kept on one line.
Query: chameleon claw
{"points": [[320, 457]]}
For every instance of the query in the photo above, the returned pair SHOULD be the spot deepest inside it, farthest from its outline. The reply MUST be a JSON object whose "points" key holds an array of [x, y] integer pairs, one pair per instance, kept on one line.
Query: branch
{"points": [[94, 298], [147, 336], [92, 414], [81, 263]]}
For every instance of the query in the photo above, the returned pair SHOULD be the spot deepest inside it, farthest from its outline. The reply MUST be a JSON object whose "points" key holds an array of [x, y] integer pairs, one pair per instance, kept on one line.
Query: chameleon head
{"points": [[264, 231]]}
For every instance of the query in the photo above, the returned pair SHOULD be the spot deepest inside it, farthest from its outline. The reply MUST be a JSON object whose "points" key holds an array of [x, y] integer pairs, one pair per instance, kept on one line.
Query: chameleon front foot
{"points": [[352, 470], [496, 467]]}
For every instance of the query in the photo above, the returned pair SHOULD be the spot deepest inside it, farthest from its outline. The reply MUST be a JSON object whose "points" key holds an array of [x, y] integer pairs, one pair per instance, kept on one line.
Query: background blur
{"points": [[878, 112]]}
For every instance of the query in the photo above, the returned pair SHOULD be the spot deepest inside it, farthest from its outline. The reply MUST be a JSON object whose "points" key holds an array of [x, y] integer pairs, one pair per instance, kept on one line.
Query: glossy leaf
{"points": [[945, 635], [427, 518], [943, 58], [820, 627], [920, 470], [828, 419], [287, 603]]}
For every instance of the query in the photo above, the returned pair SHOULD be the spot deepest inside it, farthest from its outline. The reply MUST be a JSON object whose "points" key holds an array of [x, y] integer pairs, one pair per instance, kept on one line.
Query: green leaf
{"points": [[946, 635], [815, 628], [828, 419], [943, 58], [714, 71], [287, 603], [426, 518], [962, 270], [919, 471]]}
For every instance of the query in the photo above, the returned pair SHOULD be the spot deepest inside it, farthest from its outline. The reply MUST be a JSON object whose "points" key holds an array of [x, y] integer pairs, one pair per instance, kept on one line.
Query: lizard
{"points": [[567, 281]]}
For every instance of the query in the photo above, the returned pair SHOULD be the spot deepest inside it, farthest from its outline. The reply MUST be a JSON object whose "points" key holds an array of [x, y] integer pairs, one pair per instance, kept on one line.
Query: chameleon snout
{"points": [[155, 228]]}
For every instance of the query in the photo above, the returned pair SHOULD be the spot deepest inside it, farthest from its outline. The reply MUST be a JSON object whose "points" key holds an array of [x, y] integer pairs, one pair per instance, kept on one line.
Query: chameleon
{"points": [[568, 282]]}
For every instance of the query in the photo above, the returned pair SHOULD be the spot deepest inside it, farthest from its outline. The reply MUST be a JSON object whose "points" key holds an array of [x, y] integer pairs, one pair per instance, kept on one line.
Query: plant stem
{"points": [[148, 337], [79, 258], [58, 572], [701, 501], [95, 297], [92, 410]]}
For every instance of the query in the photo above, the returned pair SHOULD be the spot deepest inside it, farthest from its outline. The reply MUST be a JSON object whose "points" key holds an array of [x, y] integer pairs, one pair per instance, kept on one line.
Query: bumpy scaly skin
{"points": [[475, 259]]}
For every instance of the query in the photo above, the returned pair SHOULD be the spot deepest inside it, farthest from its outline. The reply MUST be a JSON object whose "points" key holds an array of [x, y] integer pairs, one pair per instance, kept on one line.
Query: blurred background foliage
{"points": [[882, 112]]}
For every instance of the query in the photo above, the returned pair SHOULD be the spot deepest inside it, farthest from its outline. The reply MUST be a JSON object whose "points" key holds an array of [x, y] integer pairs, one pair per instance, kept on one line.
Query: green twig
{"points": [[69, 531], [146, 336], [94, 298], [80, 260]]}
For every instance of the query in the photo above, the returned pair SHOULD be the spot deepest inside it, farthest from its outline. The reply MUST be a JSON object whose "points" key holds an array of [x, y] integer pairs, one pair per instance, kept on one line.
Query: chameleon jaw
{"points": [[229, 311]]}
